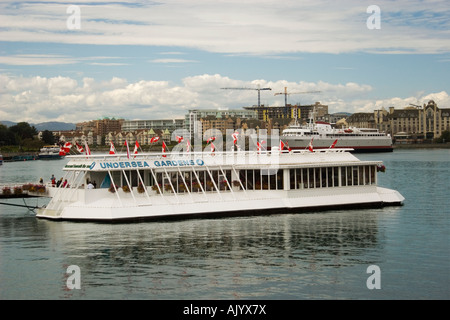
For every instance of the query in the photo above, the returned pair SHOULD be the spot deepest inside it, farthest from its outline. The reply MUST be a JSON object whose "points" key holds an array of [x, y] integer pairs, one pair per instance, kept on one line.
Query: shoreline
{"points": [[422, 146], [8, 155]]}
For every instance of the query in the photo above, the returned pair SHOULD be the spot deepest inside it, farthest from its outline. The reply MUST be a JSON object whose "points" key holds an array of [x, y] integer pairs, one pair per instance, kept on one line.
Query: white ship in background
{"points": [[321, 135]]}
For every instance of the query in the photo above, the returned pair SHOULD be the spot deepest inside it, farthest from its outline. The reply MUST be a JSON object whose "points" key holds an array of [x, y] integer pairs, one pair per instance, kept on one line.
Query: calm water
{"points": [[303, 256]]}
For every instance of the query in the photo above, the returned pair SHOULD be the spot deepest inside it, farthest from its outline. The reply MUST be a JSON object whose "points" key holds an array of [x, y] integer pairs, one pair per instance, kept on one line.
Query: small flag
{"points": [[164, 148], [179, 139], [112, 149], [188, 146], [86, 147], [281, 145], [128, 149], [235, 136], [136, 146], [61, 151], [287, 145], [258, 146], [211, 139], [79, 148], [212, 147], [333, 144], [154, 139], [67, 147], [310, 147]]}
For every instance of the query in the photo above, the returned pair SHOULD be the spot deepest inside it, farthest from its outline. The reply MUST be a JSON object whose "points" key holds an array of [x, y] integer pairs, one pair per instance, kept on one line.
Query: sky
{"points": [[85, 60]]}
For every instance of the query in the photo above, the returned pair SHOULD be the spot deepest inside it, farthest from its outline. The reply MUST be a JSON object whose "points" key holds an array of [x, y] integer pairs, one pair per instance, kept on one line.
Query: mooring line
{"points": [[20, 205]]}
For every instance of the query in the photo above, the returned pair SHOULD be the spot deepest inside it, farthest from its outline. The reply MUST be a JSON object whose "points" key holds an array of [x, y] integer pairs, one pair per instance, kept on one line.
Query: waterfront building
{"points": [[362, 120], [162, 124], [78, 136], [101, 127], [194, 124], [300, 112], [422, 122]]}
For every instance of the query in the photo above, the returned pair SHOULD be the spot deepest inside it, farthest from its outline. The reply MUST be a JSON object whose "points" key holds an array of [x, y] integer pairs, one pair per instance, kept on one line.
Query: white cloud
{"points": [[442, 99], [168, 60], [39, 99], [35, 59], [254, 26]]}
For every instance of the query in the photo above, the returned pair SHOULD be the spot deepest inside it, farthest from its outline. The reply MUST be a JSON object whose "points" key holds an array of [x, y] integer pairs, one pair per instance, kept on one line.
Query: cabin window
{"points": [[349, 176], [311, 180], [329, 177], [344, 176], [361, 175], [372, 174], [336, 176], [293, 179], [355, 175], [261, 179], [366, 175]]}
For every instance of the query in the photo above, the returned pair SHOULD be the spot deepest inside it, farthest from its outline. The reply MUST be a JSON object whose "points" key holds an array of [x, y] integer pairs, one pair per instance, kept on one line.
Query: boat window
{"points": [[361, 175], [372, 174], [311, 177], [336, 176], [366, 175], [349, 176], [355, 175], [292, 179], [329, 177], [344, 176], [322, 173]]}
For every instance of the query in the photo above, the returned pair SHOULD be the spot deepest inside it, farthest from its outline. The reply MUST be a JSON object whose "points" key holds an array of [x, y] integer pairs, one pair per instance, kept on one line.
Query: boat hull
{"points": [[238, 204], [50, 157]]}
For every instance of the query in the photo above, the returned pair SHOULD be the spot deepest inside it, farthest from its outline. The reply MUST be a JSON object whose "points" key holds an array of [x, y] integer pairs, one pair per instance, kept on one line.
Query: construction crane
{"points": [[258, 88], [285, 99]]}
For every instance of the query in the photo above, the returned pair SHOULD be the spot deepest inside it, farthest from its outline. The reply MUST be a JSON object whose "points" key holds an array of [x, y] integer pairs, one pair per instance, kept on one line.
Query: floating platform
{"points": [[23, 190]]}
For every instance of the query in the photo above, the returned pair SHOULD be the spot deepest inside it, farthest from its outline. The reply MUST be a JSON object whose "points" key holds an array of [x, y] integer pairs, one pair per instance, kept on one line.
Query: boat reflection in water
{"points": [[215, 257]]}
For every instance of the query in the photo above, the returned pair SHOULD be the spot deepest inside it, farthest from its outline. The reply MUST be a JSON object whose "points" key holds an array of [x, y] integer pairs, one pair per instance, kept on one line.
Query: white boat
{"points": [[149, 186], [50, 152], [321, 135]]}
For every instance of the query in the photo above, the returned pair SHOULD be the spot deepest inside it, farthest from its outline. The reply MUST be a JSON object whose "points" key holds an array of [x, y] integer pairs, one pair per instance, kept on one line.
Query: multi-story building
{"points": [[193, 122], [78, 137], [101, 127], [425, 122], [362, 120], [300, 112], [162, 124]]}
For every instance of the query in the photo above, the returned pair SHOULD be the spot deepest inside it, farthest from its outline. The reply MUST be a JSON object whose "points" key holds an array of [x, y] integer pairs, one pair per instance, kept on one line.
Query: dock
{"points": [[22, 190]]}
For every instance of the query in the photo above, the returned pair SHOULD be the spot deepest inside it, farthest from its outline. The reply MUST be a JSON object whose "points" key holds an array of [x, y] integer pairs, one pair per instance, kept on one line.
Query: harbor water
{"points": [[320, 255]]}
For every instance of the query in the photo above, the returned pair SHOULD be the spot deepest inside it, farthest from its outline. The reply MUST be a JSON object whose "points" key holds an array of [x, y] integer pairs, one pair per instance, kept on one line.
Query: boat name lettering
{"points": [[77, 166], [178, 163], [123, 164]]}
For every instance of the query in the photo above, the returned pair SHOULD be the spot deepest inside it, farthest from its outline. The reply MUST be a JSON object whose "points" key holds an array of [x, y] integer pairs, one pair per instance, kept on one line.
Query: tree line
{"points": [[24, 136]]}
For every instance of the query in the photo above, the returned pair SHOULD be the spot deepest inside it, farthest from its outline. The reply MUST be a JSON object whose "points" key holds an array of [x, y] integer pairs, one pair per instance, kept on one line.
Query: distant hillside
{"points": [[8, 123], [54, 126], [51, 125]]}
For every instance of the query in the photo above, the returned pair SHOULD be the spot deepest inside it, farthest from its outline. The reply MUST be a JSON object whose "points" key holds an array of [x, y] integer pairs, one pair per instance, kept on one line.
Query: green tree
{"points": [[23, 130], [7, 137], [48, 137], [445, 137]]}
